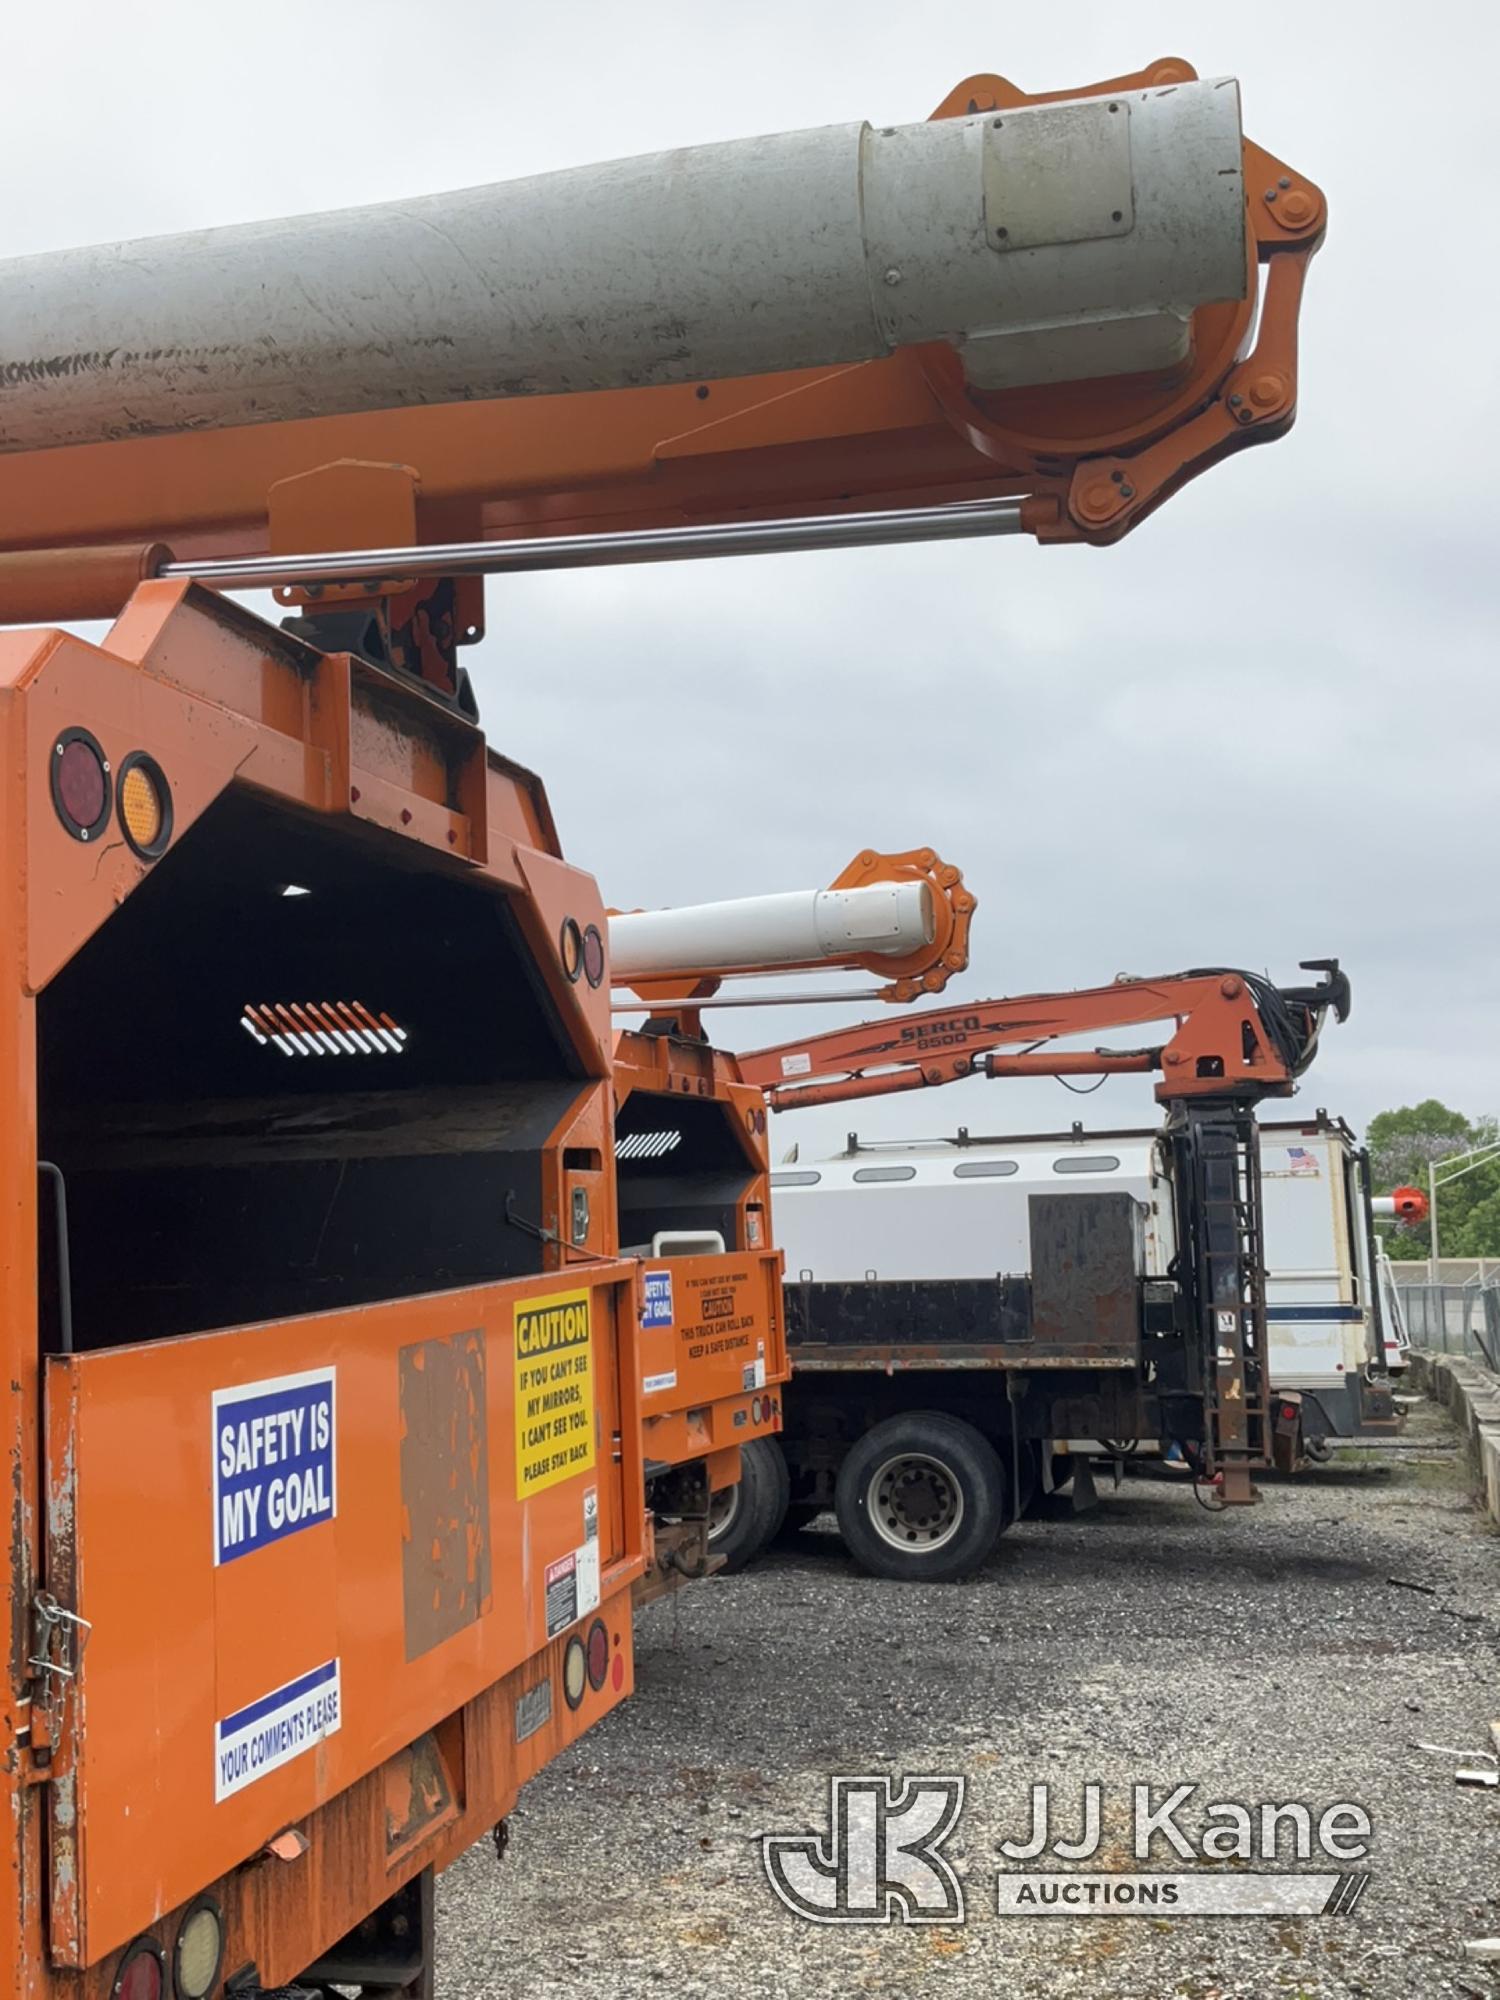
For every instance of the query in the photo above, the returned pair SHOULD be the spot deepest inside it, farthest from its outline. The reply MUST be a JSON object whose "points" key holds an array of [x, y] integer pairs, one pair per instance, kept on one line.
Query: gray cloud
{"points": [[1261, 729]]}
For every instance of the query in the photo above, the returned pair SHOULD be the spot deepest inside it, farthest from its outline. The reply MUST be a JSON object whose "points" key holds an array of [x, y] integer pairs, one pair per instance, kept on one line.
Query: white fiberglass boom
{"points": [[1049, 243]]}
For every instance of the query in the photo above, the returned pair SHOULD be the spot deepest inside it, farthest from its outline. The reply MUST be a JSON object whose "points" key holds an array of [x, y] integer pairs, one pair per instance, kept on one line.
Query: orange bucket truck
{"points": [[692, 1176], [324, 1445], [324, 1374]]}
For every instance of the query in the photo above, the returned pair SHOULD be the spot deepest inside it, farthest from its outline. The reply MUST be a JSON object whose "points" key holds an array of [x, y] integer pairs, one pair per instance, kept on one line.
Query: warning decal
{"points": [[554, 1391], [562, 1594], [572, 1588]]}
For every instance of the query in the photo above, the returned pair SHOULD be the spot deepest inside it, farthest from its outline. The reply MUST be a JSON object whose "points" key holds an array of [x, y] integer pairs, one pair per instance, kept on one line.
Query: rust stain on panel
{"points": [[418, 1796], [445, 1557]]}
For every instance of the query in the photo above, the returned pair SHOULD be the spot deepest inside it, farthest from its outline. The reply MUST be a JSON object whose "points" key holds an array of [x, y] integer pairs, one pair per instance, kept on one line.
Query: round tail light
{"points": [[142, 1973], [570, 947], [598, 1654], [593, 955], [80, 784], [145, 805], [198, 1951], [575, 1672]]}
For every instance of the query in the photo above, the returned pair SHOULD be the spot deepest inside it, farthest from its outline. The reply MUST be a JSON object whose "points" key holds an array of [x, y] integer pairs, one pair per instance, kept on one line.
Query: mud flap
{"points": [[1085, 1493], [1286, 1431]]}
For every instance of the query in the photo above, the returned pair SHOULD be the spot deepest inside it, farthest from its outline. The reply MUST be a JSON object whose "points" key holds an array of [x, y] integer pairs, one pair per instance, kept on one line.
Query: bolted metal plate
{"points": [[1058, 173], [1087, 1255]]}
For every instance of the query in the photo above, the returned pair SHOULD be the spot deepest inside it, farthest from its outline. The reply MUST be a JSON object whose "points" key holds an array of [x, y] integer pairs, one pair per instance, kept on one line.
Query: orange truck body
{"points": [[323, 1448], [691, 1156]]}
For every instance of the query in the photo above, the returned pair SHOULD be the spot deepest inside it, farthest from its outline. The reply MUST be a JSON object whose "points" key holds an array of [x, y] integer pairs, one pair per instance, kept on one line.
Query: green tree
{"points": [[1403, 1145]]}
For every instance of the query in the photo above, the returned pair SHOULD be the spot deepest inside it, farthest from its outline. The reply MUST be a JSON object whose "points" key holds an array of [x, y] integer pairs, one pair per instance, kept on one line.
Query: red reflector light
{"points": [[142, 1974], [617, 1672], [1289, 1413], [598, 1654], [80, 783]]}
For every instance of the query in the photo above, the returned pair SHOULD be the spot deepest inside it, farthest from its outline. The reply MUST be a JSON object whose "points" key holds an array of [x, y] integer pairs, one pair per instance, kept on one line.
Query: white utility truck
{"points": [[872, 1230], [960, 1208]]}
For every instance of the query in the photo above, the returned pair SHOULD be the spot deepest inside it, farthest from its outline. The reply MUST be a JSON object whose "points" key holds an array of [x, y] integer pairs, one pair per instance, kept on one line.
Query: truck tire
{"points": [[745, 1517], [921, 1496]]}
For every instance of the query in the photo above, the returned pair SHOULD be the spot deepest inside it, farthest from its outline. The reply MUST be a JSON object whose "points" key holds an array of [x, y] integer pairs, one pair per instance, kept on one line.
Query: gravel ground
{"points": [[1262, 1654]]}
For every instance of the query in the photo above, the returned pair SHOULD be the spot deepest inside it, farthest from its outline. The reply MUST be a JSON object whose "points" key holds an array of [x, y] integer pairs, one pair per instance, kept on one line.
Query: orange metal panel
{"points": [[341, 1860], [712, 1330], [176, 1778], [20, 1868], [712, 1333], [344, 738]]}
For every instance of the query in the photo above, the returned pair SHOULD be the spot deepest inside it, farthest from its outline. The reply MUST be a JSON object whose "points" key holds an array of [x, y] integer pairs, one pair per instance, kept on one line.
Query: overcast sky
{"points": [[1262, 729]]}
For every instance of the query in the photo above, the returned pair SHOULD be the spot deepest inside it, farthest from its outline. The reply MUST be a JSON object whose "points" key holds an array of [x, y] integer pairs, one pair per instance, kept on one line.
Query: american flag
{"points": [[1301, 1160]]}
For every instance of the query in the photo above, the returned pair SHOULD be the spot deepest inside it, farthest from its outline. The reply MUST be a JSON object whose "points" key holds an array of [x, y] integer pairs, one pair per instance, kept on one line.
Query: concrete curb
{"points": [[1471, 1396]]}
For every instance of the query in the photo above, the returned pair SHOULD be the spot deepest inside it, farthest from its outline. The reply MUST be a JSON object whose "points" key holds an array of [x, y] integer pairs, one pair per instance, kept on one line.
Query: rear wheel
{"points": [[744, 1517], [921, 1496]]}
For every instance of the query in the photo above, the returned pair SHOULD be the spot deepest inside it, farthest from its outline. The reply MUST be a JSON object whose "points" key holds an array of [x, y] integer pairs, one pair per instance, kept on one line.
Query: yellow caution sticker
{"points": [[554, 1391]]}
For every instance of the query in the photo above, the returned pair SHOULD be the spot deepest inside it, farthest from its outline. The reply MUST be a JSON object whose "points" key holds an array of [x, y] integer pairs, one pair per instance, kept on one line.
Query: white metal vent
{"points": [[322, 1028], [647, 1145]]}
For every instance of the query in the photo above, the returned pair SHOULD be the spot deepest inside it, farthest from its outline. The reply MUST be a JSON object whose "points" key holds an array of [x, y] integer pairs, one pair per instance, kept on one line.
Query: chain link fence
{"points": [[1455, 1319]]}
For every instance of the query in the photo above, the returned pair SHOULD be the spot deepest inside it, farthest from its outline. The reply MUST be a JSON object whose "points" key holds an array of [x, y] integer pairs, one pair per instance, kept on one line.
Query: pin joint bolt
{"points": [[1102, 498]]}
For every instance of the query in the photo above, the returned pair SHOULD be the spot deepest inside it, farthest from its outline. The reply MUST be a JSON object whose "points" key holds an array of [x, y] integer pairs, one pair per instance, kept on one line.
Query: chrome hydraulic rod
{"points": [[635, 545]]}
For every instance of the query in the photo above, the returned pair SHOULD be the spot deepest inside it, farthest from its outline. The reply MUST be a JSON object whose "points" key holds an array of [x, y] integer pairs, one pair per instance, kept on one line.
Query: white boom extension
{"points": [[768, 933]]}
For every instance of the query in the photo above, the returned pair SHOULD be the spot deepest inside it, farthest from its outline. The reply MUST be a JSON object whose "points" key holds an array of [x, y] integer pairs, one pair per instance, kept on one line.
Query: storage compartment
{"points": [[680, 1166]]}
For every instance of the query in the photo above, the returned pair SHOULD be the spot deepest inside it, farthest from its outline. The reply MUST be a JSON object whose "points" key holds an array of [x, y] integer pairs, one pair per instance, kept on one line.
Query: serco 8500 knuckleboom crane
{"points": [[1236, 1040], [1087, 1346], [314, 1273]]}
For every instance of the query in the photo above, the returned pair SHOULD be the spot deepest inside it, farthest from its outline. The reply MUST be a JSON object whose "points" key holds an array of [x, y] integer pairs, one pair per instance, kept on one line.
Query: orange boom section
{"points": [[324, 1427]]}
